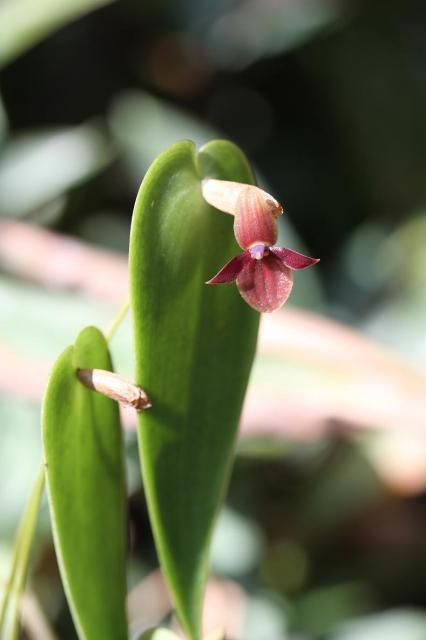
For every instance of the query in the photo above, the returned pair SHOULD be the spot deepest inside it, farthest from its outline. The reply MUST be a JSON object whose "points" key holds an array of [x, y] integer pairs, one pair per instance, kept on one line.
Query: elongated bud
{"points": [[115, 387], [224, 195]]}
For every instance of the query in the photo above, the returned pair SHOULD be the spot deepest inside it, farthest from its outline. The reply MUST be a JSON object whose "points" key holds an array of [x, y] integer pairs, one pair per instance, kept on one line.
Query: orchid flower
{"points": [[263, 273]]}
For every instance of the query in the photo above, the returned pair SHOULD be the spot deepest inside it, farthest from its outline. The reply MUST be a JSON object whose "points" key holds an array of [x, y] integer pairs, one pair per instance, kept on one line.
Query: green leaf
{"points": [[194, 349], [86, 487], [23, 23]]}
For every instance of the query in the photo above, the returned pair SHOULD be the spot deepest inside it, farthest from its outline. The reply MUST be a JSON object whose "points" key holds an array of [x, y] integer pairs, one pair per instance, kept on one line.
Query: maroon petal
{"points": [[255, 219], [265, 284], [293, 259], [230, 271]]}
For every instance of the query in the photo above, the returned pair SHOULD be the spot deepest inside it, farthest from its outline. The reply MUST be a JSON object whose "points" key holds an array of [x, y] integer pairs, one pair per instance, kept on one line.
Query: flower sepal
{"points": [[263, 275]]}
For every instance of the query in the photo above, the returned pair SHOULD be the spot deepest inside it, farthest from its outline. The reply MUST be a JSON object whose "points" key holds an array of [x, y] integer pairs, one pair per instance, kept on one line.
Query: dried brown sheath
{"points": [[115, 387]]}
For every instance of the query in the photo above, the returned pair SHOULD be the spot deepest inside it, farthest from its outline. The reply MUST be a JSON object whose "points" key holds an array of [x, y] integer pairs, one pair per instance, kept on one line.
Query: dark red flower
{"points": [[263, 273]]}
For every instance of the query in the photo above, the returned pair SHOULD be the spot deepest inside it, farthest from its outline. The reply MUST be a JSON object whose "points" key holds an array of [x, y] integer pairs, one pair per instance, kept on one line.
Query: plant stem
{"points": [[19, 569], [121, 314]]}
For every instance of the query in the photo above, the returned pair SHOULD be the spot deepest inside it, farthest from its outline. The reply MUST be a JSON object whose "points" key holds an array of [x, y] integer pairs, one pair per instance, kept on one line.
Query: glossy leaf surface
{"points": [[86, 487], [194, 349]]}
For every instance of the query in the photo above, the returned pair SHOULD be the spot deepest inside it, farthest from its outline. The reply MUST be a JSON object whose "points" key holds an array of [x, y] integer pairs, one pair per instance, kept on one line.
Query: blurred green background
{"points": [[323, 532]]}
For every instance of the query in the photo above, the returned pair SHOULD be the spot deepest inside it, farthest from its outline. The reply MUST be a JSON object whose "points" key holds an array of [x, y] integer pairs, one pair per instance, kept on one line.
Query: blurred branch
{"points": [[54, 260], [24, 23], [358, 383], [344, 380]]}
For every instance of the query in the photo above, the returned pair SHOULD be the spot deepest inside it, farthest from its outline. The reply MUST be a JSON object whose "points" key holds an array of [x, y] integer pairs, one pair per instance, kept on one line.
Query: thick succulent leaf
{"points": [[194, 349], [86, 487]]}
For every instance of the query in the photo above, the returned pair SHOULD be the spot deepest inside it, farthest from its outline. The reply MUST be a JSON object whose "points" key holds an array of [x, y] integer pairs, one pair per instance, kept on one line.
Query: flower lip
{"points": [[259, 251], [265, 284]]}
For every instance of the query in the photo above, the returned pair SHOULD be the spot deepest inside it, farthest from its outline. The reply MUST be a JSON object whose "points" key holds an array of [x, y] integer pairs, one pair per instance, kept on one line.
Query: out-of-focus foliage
{"points": [[144, 125], [38, 170], [395, 625], [23, 23], [242, 33], [323, 533]]}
